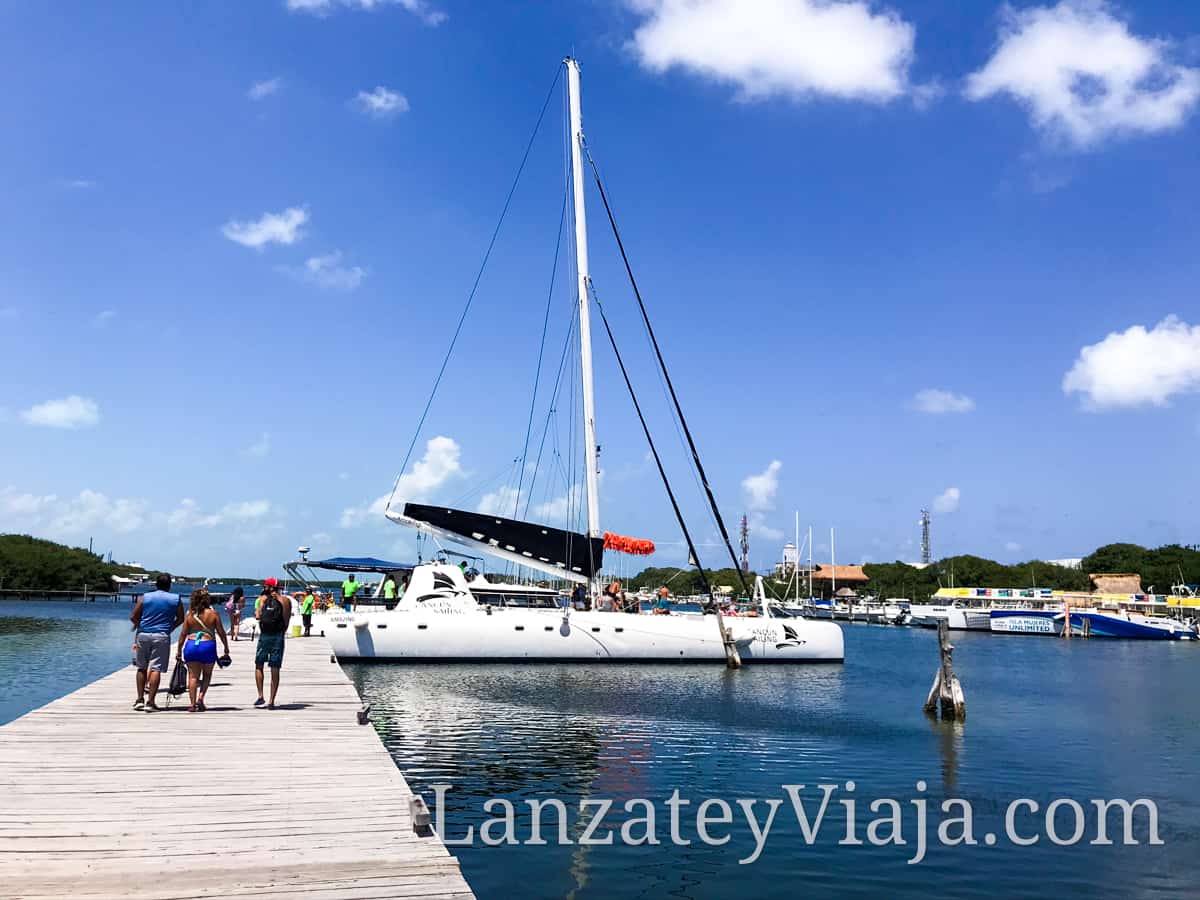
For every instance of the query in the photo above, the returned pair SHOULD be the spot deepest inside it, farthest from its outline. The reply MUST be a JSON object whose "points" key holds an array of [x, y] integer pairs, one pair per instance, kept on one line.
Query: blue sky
{"points": [[900, 254]]}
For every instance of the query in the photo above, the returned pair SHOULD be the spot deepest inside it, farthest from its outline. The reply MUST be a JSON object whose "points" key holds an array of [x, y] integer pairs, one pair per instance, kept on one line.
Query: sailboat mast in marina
{"points": [[447, 612], [579, 213]]}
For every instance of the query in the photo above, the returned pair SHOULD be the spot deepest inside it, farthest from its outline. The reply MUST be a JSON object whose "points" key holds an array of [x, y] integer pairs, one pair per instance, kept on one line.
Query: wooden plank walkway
{"points": [[97, 800]]}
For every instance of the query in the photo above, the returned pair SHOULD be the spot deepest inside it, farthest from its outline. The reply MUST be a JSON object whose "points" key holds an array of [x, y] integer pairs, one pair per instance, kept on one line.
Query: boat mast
{"points": [[832, 563], [810, 564], [796, 561], [591, 448]]}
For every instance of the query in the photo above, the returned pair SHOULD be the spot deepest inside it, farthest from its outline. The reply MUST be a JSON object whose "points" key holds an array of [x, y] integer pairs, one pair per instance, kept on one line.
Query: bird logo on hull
{"points": [[790, 638], [444, 589]]}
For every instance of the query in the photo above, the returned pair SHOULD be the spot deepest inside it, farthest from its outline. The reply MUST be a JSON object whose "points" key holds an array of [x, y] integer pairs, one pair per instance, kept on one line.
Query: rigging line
{"points": [[474, 288], [712, 500], [485, 483], [649, 440], [551, 411], [562, 216]]}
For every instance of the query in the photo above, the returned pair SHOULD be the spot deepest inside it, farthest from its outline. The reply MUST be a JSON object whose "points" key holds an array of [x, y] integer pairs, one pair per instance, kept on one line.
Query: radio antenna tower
{"points": [[745, 544], [926, 551]]}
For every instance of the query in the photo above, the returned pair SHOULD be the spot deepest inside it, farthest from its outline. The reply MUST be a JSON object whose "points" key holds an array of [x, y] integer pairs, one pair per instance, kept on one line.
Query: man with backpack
{"points": [[273, 614]]}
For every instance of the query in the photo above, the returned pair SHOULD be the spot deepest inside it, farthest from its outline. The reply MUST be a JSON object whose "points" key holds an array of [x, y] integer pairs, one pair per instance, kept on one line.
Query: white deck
{"points": [[97, 800]]}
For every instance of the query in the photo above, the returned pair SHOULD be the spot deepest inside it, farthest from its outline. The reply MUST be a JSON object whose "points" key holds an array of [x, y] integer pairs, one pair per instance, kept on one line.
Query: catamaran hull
{"points": [[551, 636]]}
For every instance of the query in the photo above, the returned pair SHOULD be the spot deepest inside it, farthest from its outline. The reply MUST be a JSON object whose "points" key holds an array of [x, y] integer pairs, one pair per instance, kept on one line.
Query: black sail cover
{"points": [[554, 546]]}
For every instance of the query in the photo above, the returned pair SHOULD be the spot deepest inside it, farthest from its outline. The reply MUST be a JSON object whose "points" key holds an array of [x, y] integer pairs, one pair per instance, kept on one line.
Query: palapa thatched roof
{"points": [[843, 573], [1116, 583]]}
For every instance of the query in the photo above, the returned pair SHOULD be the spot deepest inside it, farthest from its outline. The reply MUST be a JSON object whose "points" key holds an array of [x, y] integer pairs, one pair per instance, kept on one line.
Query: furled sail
{"points": [[550, 546]]}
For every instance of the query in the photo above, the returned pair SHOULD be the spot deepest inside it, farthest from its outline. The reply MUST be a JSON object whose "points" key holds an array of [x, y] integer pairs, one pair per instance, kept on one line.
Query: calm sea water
{"points": [[1048, 719]]}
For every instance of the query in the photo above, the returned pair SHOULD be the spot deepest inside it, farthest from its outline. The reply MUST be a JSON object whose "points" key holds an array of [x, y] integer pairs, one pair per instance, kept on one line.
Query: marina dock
{"points": [[302, 801]]}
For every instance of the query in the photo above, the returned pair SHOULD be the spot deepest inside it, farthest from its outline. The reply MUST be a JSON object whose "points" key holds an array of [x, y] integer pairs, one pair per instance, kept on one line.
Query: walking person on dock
{"points": [[306, 610], [235, 607], [274, 613], [198, 645], [155, 615]]}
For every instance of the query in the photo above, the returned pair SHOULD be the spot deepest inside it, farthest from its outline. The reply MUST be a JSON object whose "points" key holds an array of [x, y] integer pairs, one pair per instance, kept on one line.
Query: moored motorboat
{"points": [[1092, 622]]}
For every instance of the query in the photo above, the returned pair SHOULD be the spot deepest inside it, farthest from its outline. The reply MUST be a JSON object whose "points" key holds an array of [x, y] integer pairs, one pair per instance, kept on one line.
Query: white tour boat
{"points": [[444, 614]]}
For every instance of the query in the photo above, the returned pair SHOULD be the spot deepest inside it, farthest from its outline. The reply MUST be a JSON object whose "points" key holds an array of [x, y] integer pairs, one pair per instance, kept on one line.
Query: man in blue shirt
{"points": [[155, 615]]}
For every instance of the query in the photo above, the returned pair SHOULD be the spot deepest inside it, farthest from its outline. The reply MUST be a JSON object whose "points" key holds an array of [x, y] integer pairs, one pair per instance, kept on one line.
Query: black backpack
{"points": [[270, 617]]}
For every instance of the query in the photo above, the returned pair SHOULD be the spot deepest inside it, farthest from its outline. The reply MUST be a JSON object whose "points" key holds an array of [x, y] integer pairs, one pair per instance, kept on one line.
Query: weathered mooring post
{"points": [[733, 659], [946, 690]]}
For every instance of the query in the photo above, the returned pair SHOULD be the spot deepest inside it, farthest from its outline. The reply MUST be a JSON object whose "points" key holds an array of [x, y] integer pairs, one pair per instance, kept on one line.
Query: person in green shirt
{"points": [[306, 610], [389, 590], [349, 589]]}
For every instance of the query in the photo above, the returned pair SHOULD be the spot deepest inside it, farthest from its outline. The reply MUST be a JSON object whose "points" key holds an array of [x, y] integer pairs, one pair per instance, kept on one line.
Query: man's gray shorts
{"points": [[153, 652]]}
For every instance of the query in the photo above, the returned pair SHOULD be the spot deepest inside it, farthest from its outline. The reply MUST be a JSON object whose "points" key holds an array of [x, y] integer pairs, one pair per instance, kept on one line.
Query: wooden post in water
{"points": [[946, 691], [1067, 620], [733, 659]]}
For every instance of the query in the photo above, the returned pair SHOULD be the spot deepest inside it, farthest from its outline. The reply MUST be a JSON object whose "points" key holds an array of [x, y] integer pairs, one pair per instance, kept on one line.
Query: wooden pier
{"points": [[97, 800]]}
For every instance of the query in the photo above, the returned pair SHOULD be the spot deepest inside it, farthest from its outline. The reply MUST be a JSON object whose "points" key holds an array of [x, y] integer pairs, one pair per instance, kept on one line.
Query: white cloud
{"points": [[272, 228], [328, 273], [381, 103], [760, 489], [559, 510], [246, 510], [794, 48], [69, 412], [498, 502], [93, 513], [423, 10], [1137, 367], [1083, 76], [261, 90], [759, 528], [92, 509], [343, 476], [14, 505], [78, 184], [260, 447], [103, 317], [936, 402], [188, 515], [1012, 547], [66, 517], [947, 500], [435, 468]]}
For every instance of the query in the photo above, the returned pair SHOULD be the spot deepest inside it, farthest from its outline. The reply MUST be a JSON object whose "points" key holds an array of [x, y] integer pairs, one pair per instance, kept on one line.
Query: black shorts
{"points": [[307, 617]]}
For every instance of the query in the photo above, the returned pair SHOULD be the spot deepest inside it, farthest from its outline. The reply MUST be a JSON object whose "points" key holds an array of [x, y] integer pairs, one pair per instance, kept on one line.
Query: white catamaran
{"points": [[445, 613]]}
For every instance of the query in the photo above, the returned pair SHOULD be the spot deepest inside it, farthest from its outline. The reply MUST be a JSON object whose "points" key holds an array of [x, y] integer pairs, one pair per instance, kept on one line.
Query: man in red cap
{"points": [[273, 614]]}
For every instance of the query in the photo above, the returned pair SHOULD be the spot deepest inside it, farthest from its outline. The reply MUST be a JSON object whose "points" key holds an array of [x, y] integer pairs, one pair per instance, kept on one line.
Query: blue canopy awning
{"points": [[358, 564]]}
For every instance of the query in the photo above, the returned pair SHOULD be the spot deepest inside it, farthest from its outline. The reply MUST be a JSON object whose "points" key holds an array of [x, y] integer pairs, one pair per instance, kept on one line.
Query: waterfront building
{"points": [[827, 579]]}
